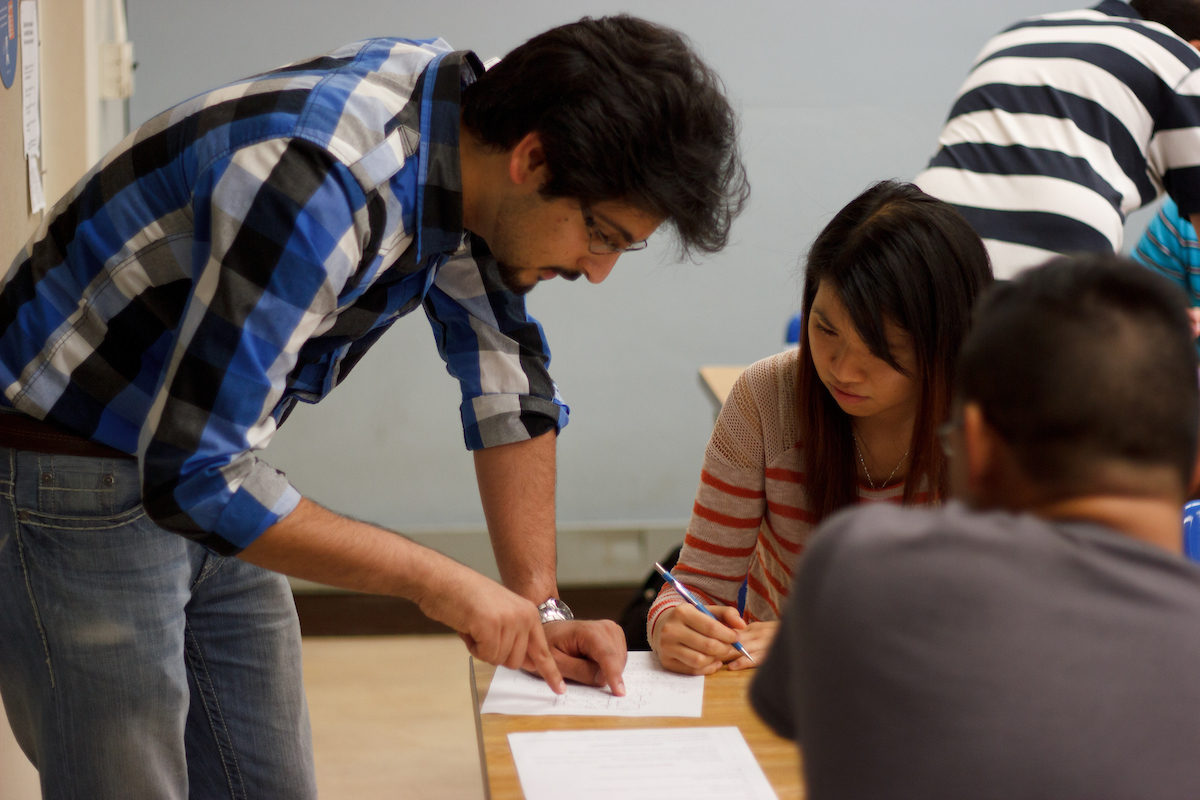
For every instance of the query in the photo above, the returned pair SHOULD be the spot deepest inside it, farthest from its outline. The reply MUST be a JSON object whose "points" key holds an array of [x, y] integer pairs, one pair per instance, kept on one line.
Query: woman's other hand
{"points": [[757, 639]]}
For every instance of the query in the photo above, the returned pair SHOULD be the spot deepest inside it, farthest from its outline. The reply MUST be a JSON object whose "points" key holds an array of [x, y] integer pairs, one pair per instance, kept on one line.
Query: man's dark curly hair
{"points": [[626, 112]]}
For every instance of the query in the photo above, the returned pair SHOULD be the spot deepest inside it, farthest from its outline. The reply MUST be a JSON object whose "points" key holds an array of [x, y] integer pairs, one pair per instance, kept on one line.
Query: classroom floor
{"points": [[391, 718]]}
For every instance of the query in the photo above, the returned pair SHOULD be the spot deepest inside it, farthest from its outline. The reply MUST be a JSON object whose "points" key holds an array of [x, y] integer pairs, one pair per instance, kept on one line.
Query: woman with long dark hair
{"points": [[850, 416]]}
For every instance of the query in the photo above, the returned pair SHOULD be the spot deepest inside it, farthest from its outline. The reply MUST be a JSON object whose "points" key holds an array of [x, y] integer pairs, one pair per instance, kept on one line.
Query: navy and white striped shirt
{"points": [[241, 252], [1066, 123]]}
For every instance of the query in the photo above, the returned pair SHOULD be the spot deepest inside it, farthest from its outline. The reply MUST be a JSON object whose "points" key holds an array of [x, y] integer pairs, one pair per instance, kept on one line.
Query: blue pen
{"points": [[686, 595]]}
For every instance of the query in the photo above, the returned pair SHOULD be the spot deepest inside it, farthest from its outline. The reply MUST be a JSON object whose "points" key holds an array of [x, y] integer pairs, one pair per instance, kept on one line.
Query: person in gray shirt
{"points": [[1038, 636]]}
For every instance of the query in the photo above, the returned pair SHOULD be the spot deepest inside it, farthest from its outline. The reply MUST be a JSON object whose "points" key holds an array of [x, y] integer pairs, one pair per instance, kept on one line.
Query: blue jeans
{"points": [[133, 662]]}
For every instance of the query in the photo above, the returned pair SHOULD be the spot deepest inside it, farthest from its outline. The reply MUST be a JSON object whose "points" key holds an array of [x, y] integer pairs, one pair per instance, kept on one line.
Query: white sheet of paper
{"points": [[638, 764], [37, 197], [30, 78], [650, 691]]}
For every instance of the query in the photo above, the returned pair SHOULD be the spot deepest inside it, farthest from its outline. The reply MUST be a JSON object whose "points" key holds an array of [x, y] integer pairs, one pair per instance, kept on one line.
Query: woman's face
{"points": [[862, 384]]}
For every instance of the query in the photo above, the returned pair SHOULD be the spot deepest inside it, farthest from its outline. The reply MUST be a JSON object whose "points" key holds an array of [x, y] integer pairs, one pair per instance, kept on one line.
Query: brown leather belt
{"points": [[21, 432]]}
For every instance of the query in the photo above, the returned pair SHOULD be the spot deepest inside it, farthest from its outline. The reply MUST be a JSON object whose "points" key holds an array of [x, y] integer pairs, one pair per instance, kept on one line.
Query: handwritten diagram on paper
{"points": [[696, 763], [650, 691]]}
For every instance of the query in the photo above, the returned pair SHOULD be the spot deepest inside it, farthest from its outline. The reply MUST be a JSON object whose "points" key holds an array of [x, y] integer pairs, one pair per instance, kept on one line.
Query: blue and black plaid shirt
{"points": [[242, 251]]}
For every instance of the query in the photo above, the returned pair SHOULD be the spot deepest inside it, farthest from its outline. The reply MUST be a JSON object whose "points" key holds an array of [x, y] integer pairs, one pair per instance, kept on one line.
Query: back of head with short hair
{"points": [[1083, 362], [1181, 16], [626, 111]]}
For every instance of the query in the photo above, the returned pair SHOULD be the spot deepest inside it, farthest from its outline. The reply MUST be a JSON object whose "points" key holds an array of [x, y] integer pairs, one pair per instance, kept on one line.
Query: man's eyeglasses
{"points": [[944, 431], [600, 244]]}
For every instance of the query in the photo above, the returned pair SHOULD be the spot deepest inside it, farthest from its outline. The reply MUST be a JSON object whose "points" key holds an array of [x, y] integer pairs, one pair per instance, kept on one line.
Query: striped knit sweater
{"points": [[751, 518]]}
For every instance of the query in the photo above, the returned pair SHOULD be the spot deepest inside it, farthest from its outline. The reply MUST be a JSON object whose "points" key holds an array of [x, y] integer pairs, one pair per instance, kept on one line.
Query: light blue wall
{"points": [[834, 95]]}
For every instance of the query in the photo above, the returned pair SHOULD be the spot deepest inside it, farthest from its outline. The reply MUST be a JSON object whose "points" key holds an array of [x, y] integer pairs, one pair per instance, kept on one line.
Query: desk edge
{"points": [[487, 786]]}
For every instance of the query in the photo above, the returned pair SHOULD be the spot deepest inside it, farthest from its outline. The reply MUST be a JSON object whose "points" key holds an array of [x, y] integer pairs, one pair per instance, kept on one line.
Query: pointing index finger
{"points": [[539, 654], [603, 643], [612, 666]]}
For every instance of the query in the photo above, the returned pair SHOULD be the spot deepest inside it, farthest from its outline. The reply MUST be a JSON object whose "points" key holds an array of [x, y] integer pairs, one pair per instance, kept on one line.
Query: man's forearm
{"points": [[496, 624], [316, 544], [516, 486]]}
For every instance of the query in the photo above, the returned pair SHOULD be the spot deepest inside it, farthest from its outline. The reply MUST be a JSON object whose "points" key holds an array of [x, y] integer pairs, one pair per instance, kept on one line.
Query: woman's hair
{"points": [[892, 254]]}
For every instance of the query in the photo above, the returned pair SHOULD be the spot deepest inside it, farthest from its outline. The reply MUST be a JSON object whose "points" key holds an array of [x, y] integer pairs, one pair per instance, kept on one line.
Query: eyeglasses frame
{"points": [[599, 244]]}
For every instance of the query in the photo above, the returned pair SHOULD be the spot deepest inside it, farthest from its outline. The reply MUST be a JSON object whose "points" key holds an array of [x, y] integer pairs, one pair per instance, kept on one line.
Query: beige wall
{"points": [[16, 224], [64, 100], [65, 156], [64, 122]]}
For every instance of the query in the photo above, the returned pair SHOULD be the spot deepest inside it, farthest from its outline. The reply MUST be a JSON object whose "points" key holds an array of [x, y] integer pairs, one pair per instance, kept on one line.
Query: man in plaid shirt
{"points": [[241, 252]]}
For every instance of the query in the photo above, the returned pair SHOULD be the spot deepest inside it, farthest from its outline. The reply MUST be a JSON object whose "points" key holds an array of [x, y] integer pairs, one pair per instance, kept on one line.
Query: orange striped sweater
{"points": [[751, 518]]}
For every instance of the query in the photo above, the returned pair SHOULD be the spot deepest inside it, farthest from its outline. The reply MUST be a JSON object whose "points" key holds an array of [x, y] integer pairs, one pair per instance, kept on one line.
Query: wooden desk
{"points": [[725, 703]]}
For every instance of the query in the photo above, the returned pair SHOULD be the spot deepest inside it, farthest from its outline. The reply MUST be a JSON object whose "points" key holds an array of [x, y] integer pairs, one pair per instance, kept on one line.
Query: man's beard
{"points": [[512, 242], [509, 239], [510, 277]]}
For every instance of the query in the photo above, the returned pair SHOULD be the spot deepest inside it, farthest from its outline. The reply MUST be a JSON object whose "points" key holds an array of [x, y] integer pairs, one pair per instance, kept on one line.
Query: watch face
{"points": [[554, 609]]}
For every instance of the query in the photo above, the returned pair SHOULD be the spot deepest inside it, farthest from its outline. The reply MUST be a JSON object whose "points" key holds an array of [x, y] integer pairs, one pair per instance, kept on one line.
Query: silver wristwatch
{"points": [[554, 610]]}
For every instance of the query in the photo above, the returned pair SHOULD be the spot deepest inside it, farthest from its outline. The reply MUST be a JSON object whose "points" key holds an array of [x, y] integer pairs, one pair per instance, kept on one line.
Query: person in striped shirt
{"points": [[1067, 122], [1169, 247], [848, 417], [239, 254]]}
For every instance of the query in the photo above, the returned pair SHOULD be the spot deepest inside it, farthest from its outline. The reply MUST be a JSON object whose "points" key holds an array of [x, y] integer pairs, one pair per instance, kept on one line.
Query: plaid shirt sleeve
{"points": [[278, 232], [498, 352]]}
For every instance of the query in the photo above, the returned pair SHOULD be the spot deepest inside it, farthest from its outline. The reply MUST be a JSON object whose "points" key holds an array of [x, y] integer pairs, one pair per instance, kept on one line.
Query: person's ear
{"points": [[980, 451], [527, 161]]}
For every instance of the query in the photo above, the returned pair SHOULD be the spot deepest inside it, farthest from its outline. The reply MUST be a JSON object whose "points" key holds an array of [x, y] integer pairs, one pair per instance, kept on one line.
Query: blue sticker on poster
{"points": [[8, 29]]}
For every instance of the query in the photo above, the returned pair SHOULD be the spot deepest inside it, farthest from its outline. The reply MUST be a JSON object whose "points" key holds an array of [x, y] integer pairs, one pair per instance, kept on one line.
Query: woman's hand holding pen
{"points": [[687, 641], [692, 643]]}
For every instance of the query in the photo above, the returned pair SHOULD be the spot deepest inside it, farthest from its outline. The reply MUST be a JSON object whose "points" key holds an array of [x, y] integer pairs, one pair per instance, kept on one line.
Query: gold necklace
{"points": [[870, 482]]}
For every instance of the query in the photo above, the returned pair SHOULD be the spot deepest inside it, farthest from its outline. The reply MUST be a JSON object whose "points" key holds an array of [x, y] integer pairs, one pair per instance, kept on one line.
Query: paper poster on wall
{"points": [[30, 78], [30, 93], [8, 30], [37, 195]]}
